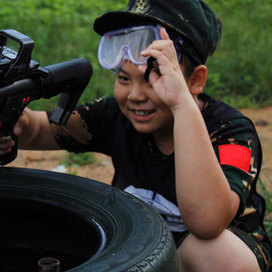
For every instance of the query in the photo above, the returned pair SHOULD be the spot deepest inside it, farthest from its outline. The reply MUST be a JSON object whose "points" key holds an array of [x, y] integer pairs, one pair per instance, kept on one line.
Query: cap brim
{"points": [[119, 19]]}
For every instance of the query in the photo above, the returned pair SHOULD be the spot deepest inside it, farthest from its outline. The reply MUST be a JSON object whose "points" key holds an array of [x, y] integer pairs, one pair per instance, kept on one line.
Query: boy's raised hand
{"points": [[170, 84]]}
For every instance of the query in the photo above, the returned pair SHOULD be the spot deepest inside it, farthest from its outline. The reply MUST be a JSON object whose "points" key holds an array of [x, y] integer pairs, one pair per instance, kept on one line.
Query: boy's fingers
{"points": [[17, 129], [5, 151], [6, 143], [22, 122], [5, 139], [164, 34], [159, 45]]}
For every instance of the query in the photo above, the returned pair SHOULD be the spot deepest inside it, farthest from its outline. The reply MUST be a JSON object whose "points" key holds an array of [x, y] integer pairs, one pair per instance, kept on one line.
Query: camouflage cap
{"points": [[192, 19]]}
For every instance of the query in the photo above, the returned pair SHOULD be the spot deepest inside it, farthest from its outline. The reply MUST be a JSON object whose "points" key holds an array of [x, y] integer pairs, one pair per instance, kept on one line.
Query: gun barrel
{"points": [[57, 78], [65, 75]]}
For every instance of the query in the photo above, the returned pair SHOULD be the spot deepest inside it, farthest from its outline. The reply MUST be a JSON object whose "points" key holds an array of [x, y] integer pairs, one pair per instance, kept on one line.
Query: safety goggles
{"points": [[126, 43]]}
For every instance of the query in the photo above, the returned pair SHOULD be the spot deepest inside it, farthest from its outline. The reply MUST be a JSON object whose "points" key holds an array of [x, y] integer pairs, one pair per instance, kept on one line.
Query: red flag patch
{"points": [[235, 155]]}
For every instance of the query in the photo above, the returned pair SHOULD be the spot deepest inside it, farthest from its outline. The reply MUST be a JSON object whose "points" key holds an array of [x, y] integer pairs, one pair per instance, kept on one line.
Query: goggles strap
{"points": [[150, 65], [149, 68]]}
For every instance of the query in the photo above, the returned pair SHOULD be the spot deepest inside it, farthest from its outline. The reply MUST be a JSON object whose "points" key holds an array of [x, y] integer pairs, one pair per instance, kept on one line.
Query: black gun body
{"points": [[69, 78], [22, 81]]}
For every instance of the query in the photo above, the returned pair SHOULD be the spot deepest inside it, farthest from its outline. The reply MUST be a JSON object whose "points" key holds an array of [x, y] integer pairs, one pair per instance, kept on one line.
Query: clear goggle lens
{"points": [[127, 43]]}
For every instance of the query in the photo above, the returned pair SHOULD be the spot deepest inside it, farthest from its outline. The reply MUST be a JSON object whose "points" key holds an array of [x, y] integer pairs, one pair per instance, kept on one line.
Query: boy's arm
{"points": [[34, 131], [85, 129], [205, 199]]}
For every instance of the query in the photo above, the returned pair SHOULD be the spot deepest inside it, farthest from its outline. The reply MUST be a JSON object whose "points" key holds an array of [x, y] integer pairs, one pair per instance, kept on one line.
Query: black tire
{"points": [[87, 225]]}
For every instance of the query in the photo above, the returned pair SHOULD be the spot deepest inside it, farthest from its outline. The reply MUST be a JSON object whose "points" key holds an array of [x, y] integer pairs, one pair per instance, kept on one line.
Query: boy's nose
{"points": [[137, 94]]}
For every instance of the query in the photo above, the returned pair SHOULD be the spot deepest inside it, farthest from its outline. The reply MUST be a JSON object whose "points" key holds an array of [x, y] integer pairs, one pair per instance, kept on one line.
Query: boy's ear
{"points": [[198, 80]]}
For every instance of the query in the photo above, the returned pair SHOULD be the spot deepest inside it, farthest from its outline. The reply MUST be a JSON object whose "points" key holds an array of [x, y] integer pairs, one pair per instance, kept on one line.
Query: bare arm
{"points": [[38, 133], [34, 131], [204, 196]]}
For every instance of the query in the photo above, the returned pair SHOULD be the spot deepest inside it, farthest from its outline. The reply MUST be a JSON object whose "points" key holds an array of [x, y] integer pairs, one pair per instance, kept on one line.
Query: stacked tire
{"points": [[85, 224]]}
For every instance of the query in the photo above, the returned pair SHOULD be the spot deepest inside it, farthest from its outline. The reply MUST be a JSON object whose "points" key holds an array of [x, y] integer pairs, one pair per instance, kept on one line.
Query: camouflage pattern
{"points": [[100, 127], [191, 19], [260, 247], [248, 223]]}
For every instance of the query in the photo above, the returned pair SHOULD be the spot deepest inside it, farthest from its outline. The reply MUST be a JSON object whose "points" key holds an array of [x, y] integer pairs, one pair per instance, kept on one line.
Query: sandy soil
{"points": [[102, 169], [262, 119]]}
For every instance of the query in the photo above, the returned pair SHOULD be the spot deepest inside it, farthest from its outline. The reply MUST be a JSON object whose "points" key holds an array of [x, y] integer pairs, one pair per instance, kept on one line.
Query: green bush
{"points": [[62, 30], [239, 72], [241, 69]]}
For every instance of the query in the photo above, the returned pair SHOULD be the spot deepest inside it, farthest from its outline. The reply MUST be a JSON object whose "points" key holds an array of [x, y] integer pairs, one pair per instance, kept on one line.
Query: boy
{"points": [[196, 160]]}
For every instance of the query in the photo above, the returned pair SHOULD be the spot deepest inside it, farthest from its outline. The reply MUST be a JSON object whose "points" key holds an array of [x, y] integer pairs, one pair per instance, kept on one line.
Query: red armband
{"points": [[235, 155]]}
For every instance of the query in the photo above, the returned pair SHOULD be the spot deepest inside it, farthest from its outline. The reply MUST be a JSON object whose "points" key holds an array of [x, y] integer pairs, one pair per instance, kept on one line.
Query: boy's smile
{"points": [[139, 103], [142, 115]]}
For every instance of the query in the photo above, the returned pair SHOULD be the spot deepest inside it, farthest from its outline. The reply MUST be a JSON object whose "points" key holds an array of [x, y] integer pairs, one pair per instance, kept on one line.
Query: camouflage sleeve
{"points": [[88, 128], [237, 147]]}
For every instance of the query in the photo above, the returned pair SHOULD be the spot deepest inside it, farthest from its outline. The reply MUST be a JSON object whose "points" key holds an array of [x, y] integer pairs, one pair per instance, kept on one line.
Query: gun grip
{"points": [[11, 156]]}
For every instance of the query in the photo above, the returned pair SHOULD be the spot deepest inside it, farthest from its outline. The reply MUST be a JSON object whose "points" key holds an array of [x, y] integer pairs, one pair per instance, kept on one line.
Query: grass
{"points": [[264, 187], [76, 160]]}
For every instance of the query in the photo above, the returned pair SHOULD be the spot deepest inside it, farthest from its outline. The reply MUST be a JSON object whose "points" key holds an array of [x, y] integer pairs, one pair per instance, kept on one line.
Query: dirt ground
{"points": [[102, 169]]}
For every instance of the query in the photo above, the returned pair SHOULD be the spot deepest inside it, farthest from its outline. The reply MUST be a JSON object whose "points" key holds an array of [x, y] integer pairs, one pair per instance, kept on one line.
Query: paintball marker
{"points": [[22, 81]]}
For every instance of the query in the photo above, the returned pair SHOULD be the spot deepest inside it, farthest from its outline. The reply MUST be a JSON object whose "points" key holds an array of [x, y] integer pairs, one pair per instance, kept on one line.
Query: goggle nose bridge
{"points": [[124, 52], [127, 49]]}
